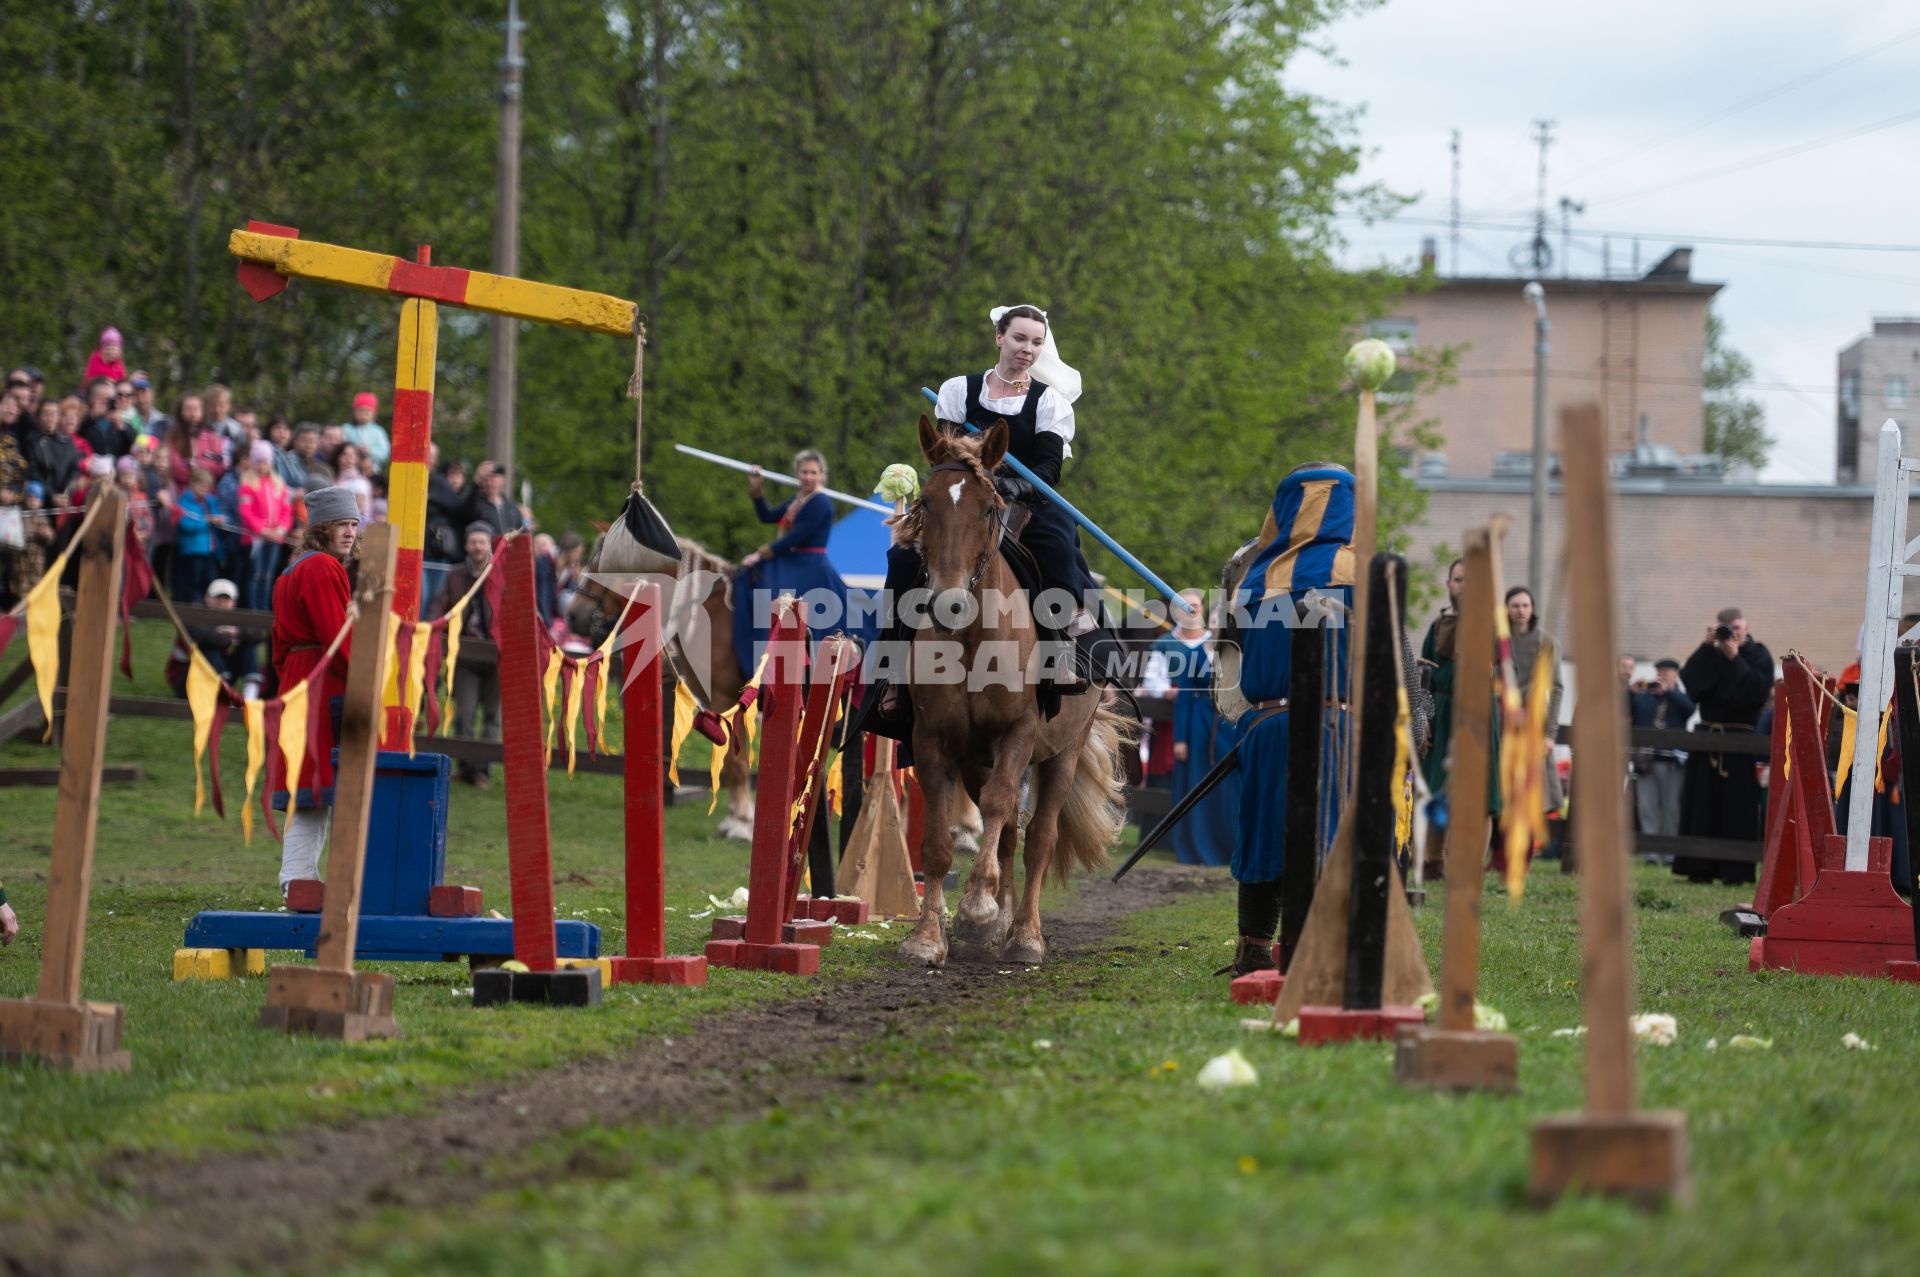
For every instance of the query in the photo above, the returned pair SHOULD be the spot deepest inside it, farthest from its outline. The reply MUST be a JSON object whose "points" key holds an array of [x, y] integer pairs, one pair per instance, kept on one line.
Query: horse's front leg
{"points": [[938, 779], [737, 780], [980, 927]]}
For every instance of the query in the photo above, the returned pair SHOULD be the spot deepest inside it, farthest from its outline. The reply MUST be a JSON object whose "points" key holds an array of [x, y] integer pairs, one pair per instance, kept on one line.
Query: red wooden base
{"points": [[1257, 988], [1323, 1026], [1904, 972], [1850, 923], [304, 895], [798, 931], [743, 955], [448, 901], [677, 969], [848, 913]]}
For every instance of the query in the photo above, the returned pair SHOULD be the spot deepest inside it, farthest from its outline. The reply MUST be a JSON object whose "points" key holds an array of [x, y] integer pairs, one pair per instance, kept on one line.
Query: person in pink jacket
{"points": [[105, 360], [266, 519]]}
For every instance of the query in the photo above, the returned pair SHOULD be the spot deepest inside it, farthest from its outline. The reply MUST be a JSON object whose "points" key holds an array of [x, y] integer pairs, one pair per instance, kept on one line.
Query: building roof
{"points": [[1643, 487], [1672, 274]]}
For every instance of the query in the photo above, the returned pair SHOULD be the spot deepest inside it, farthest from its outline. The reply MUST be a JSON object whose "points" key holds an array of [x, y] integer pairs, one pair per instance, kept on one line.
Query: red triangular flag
{"points": [[221, 708]]}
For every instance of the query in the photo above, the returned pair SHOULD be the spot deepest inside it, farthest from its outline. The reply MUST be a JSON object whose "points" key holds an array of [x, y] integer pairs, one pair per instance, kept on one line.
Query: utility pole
{"points": [[1568, 210], [1453, 211], [506, 250], [1537, 508]]}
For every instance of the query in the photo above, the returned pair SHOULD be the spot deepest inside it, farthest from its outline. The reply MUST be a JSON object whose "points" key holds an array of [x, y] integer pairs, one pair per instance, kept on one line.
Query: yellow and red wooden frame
{"points": [[270, 256]]}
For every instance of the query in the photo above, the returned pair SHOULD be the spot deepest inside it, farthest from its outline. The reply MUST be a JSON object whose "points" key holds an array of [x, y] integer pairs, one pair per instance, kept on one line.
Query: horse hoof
{"points": [[1030, 952], [929, 952], [979, 941], [735, 830]]}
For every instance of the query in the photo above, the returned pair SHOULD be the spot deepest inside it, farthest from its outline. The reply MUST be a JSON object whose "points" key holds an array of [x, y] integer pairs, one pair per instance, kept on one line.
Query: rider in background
{"points": [[794, 562]]}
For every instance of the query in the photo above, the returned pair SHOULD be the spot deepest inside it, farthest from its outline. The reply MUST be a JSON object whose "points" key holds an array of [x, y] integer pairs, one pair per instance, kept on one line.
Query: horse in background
{"points": [[979, 735], [696, 633]]}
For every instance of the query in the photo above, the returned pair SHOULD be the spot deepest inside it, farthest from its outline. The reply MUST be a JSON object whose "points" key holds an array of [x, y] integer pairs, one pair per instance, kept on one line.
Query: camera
{"points": [[1721, 633]]}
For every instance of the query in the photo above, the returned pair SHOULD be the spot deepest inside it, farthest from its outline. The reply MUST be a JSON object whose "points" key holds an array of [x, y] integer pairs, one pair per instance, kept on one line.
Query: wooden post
{"points": [[1360, 969], [811, 920], [57, 1028], [1307, 699], [1366, 483], [331, 999], [1455, 1055], [644, 783], [1611, 1147], [524, 762], [757, 942], [1373, 801], [529, 836]]}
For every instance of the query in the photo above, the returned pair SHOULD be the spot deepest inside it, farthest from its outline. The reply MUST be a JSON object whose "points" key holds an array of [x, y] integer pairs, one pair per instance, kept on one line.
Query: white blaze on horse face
{"points": [[954, 491]]}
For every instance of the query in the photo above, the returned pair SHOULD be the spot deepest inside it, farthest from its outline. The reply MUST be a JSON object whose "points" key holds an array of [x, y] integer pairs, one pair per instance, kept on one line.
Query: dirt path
{"points": [[730, 1064]]}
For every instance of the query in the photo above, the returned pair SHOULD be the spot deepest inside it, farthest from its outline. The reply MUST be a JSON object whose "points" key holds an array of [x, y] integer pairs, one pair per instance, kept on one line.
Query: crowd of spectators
{"points": [[218, 489]]}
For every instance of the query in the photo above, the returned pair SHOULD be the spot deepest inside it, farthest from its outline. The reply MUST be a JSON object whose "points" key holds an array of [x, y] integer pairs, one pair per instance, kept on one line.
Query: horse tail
{"points": [[1095, 812]]}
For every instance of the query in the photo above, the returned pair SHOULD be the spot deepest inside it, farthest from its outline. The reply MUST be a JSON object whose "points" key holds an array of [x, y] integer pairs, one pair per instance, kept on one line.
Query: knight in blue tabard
{"points": [[1180, 669], [1298, 571]]}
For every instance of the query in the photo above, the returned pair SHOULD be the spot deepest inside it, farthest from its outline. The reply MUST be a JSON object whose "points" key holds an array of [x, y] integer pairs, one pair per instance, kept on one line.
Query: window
{"points": [[1850, 395], [1397, 333], [1896, 392]]}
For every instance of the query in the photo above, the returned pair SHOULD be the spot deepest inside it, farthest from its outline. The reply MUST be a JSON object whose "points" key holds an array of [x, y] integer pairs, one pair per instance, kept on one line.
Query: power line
{"points": [[1738, 241], [1765, 95], [1767, 157]]}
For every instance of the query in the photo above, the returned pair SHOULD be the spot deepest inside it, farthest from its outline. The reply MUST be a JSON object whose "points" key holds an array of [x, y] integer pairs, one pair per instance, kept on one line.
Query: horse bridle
{"points": [[997, 513]]}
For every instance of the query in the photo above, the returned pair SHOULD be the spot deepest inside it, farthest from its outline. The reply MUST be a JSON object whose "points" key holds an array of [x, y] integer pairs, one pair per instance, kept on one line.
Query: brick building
{"points": [[1879, 377], [1690, 541]]}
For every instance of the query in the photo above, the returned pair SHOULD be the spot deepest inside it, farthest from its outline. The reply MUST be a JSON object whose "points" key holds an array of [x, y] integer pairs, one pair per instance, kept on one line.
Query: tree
{"points": [[1736, 425]]}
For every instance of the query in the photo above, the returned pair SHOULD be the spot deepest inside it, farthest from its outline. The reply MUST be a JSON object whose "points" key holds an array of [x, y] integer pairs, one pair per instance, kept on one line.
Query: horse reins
{"points": [[997, 514]]}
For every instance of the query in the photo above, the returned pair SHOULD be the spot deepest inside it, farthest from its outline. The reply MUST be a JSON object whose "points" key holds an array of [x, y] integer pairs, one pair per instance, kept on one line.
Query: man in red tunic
{"points": [[309, 609]]}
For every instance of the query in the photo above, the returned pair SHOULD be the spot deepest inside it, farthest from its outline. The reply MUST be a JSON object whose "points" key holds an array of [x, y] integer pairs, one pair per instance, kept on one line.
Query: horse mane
{"points": [[965, 449]]}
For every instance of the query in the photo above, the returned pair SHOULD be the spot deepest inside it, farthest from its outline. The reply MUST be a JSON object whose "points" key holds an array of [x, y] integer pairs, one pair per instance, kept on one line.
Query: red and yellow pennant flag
{"points": [[549, 689], [684, 708]]}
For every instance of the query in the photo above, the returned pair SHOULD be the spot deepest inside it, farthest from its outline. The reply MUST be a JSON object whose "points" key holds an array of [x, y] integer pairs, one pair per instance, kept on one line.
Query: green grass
{"points": [[973, 1149], [204, 1077]]}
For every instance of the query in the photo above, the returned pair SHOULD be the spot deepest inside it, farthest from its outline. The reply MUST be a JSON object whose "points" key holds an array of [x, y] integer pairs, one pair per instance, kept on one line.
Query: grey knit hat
{"points": [[330, 505]]}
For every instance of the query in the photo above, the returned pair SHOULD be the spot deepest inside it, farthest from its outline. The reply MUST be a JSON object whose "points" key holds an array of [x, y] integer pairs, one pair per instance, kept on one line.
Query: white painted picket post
{"points": [[1889, 564]]}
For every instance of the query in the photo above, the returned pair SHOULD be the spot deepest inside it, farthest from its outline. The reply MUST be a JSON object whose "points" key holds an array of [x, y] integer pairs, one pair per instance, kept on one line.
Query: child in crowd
{"points": [[105, 360], [196, 561], [266, 519]]}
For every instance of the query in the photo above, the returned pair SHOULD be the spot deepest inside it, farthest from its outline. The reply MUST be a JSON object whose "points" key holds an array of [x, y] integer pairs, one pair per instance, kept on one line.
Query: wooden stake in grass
{"points": [[331, 999], [1612, 1147], [58, 1028], [1454, 1055]]}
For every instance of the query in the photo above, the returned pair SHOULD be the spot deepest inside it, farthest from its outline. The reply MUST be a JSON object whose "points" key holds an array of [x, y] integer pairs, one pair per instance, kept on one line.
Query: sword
{"points": [[1119, 551], [1229, 761]]}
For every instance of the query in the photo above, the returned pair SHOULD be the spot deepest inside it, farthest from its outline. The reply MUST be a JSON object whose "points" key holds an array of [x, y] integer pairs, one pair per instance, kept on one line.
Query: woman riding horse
{"points": [[1033, 391]]}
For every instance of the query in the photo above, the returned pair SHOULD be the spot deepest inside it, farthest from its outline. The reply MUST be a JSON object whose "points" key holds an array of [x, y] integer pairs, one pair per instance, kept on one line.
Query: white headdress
{"points": [[1048, 368]]}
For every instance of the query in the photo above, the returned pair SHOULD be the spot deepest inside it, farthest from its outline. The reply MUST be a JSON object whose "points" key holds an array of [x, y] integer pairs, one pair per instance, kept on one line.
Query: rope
{"points": [[634, 385], [58, 567]]}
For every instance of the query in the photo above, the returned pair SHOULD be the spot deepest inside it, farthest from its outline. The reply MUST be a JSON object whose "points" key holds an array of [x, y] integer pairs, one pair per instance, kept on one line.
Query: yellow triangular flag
{"points": [[1403, 793], [1847, 730], [833, 782], [716, 761], [203, 693], [684, 709], [1879, 753], [549, 687], [293, 738], [43, 639], [571, 674], [600, 705], [454, 617], [256, 719], [417, 676]]}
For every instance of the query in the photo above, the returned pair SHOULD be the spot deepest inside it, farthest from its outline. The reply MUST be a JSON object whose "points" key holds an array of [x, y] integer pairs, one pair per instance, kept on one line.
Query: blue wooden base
{"points": [[406, 859], [383, 937]]}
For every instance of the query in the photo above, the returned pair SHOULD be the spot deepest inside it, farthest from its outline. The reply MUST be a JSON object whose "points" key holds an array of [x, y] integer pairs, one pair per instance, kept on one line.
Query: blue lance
{"points": [[1119, 551]]}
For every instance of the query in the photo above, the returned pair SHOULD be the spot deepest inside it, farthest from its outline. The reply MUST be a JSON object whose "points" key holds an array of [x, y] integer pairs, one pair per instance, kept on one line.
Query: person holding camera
{"points": [[1729, 676], [1662, 704]]}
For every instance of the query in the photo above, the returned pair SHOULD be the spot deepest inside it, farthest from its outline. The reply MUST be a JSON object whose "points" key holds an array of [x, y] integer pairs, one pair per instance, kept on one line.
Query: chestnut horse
{"points": [[979, 733]]}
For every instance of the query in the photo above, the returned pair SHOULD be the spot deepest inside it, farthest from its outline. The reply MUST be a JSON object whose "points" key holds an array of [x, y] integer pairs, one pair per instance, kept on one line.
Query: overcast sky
{"points": [[1634, 86]]}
